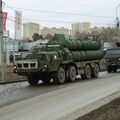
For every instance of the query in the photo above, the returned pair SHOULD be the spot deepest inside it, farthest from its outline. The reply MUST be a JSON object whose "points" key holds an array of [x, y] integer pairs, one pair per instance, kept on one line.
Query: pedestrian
{"points": [[11, 58]]}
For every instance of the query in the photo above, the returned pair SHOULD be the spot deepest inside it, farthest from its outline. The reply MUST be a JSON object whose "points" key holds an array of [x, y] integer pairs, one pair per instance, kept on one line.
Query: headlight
{"points": [[15, 67], [45, 66], [107, 59], [43, 69], [119, 59]]}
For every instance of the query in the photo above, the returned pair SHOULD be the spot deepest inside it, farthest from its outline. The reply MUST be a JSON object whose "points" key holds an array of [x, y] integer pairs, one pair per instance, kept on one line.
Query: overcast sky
{"points": [[97, 12]]}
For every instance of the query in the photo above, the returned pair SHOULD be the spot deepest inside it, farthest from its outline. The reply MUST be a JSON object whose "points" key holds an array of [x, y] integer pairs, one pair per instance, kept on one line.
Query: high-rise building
{"points": [[78, 28], [29, 29], [55, 30], [85, 27]]}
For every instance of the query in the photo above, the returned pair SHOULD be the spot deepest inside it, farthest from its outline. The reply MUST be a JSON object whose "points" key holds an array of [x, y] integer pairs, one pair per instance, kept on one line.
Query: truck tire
{"points": [[60, 76], [72, 73], [95, 71], [114, 70], [32, 80], [46, 80], [109, 70], [87, 72]]}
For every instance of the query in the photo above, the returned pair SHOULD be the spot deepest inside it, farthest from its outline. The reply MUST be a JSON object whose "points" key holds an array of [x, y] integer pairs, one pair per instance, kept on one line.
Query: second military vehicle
{"points": [[113, 59]]}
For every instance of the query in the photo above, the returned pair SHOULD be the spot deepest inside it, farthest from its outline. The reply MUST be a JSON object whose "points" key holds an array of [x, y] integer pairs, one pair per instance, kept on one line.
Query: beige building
{"points": [[85, 27], [29, 29], [78, 28], [54, 30]]}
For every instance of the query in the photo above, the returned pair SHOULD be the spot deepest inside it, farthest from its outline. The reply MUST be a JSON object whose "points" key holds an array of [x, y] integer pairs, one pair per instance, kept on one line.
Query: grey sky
{"points": [[86, 7]]}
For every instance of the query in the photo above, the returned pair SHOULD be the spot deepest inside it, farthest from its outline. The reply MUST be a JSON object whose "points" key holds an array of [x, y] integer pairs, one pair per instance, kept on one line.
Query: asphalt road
{"points": [[45, 102], [11, 93]]}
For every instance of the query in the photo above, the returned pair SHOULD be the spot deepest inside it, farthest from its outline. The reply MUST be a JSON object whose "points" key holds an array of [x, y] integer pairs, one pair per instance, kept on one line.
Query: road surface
{"points": [[44, 102]]}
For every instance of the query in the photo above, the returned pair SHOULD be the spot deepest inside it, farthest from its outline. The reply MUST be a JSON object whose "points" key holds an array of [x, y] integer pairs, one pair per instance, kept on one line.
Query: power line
{"points": [[62, 13], [51, 21]]}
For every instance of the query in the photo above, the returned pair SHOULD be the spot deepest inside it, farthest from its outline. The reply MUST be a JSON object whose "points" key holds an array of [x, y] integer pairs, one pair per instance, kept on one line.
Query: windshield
{"points": [[113, 52], [42, 57]]}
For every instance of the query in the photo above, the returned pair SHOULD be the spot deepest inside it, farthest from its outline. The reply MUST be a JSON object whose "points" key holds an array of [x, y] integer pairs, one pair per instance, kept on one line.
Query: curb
{"points": [[9, 82]]}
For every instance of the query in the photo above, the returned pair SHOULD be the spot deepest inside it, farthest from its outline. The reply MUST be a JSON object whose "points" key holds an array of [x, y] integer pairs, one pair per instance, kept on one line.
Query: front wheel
{"points": [[114, 70], [109, 70], [32, 80], [59, 77]]}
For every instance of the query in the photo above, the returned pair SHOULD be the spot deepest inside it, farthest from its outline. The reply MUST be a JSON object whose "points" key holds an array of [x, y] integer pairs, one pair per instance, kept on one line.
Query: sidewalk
{"points": [[110, 111]]}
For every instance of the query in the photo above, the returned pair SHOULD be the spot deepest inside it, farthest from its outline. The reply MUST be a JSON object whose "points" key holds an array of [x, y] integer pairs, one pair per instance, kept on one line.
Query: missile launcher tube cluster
{"points": [[81, 50]]}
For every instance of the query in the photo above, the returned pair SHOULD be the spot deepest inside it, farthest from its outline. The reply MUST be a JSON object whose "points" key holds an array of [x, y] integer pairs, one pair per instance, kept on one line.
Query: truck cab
{"points": [[48, 61], [112, 58]]}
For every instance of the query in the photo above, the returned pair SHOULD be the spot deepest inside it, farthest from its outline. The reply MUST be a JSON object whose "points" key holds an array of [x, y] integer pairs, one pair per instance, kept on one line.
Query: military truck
{"points": [[60, 61], [112, 58]]}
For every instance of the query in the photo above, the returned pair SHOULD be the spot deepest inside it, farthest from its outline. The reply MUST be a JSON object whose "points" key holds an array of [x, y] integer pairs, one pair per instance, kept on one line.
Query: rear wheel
{"points": [[59, 77], [32, 80], [72, 73], [87, 72], [95, 71]]}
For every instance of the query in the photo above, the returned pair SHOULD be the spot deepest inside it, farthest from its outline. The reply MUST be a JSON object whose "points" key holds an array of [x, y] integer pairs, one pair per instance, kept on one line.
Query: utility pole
{"points": [[117, 18], [117, 22], [2, 74]]}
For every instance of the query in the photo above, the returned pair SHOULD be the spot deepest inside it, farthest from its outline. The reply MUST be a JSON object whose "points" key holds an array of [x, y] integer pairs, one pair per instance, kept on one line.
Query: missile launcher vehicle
{"points": [[61, 60]]}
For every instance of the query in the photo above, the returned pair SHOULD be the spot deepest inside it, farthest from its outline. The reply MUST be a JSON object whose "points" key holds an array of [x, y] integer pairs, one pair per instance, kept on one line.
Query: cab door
{"points": [[54, 62]]}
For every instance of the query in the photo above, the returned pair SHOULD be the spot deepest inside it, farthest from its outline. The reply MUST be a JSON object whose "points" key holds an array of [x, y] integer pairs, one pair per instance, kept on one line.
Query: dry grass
{"points": [[102, 64]]}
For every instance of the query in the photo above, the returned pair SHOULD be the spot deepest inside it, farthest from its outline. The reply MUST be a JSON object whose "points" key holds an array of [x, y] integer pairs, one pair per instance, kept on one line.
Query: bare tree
{"points": [[48, 36], [110, 35], [36, 36]]}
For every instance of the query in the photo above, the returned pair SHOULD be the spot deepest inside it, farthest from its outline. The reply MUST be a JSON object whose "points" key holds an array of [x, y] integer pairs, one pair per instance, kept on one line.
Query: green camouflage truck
{"points": [[112, 58], [61, 60]]}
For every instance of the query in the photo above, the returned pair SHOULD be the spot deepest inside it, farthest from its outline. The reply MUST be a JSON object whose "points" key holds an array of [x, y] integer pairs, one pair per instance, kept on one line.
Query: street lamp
{"points": [[117, 19]]}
